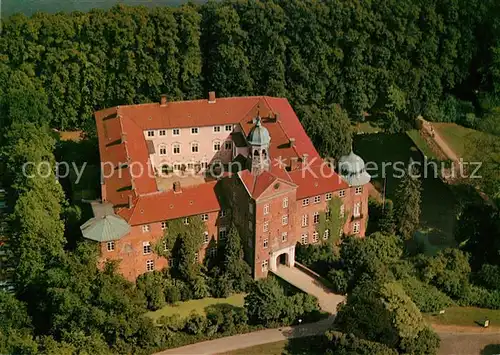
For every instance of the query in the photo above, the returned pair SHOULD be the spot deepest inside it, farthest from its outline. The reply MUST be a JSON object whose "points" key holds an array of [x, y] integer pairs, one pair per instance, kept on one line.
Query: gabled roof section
{"points": [[317, 180], [256, 185], [168, 205]]}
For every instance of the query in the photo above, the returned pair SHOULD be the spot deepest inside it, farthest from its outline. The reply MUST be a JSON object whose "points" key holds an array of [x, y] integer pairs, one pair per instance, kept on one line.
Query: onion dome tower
{"points": [[259, 141], [352, 169]]}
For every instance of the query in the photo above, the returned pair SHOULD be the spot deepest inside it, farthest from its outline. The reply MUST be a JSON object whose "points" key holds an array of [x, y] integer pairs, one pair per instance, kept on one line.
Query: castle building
{"points": [[242, 161]]}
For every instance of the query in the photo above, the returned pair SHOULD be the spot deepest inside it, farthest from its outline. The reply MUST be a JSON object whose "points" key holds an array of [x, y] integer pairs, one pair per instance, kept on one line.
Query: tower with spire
{"points": [[259, 141]]}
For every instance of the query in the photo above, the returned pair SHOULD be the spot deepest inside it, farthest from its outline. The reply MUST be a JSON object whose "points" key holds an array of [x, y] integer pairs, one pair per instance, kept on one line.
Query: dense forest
{"points": [[369, 57], [336, 61]]}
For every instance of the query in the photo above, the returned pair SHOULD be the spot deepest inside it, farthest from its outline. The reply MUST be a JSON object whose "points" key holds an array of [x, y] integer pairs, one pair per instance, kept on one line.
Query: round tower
{"points": [[352, 169], [259, 141]]}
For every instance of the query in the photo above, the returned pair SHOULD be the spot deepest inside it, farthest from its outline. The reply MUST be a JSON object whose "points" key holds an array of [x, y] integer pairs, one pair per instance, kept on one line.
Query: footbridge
{"points": [[310, 282]]}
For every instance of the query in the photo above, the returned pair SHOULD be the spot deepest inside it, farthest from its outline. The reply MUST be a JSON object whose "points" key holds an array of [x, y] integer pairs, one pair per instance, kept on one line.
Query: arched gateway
{"points": [[285, 256]]}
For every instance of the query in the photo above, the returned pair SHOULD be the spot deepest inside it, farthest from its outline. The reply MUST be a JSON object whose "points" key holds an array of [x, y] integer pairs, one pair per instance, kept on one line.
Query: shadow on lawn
{"points": [[491, 349]]}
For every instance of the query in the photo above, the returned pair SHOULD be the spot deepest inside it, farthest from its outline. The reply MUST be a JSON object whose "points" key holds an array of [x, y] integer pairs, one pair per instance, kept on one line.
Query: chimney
{"points": [[104, 196], [304, 159], [177, 187], [293, 163], [130, 203], [211, 97], [292, 142], [276, 116], [163, 100]]}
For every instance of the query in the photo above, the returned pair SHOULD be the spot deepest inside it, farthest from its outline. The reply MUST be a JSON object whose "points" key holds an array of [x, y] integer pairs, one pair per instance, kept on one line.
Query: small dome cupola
{"points": [[259, 135], [352, 169]]}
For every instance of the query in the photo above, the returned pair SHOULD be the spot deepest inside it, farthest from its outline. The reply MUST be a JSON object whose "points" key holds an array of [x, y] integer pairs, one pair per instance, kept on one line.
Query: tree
{"points": [[152, 285], [265, 302], [328, 127], [407, 205], [233, 265]]}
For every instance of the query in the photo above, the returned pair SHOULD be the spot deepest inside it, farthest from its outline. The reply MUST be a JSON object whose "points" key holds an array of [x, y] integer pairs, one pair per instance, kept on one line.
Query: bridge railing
{"points": [[314, 275]]}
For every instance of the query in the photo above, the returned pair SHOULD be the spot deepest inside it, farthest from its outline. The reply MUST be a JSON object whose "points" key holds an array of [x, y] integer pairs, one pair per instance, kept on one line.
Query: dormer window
{"points": [[151, 133], [195, 130], [176, 132], [217, 129], [229, 128]]}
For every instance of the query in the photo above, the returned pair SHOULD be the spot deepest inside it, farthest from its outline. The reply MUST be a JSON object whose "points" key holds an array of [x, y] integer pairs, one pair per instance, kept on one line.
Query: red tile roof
{"points": [[167, 205], [316, 180], [257, 184]]}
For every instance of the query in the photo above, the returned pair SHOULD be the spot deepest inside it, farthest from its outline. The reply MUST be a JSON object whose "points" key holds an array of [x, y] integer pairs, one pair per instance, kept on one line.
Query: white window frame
{"points": [[326, 234], [163, 225], [356, 227], [328, 196], [215, 145], [285, 202], [222, 233], [204, 217], [342, 210], [176, 132], [146, 248], [265, 265], [315, 237], [342, 193], [195, 147], [217, 129], [151, 133], [356, 211], [228, 145], [266, 209], [284, 220], [185, 220], [304, 220], [284, 237], [196, 258], [358, 190], [265, 227], [222, 213], [146, 228], [206, 238], [228, 128], [174, 146], [265, 243], [162, 147], [305, 202], [195, 131], [304, 239], [317, 199], [212, 252], [315, 217], [150, 265], [162, 132], [110, 245]]}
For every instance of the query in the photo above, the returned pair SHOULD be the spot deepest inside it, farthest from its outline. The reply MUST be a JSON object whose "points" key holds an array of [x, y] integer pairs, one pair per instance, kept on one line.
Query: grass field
{"points": [[438, 202], [421, 144], [456, 136], [297, 346], [184, 309], [466, 316]]}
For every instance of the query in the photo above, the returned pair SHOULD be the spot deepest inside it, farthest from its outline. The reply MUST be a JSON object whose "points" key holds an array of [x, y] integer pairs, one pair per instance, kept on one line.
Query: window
{"points": [[250, 225], [176, 132], [212, 252], [342, 211], [316, 217], [151, 133], [204, 217], [190, 166], [217, 129], [222, 233], [206, 239], [163, 132], [194, 147], [177, 166], [328, 196], [228, 145], [250, 208], [358, 190], [228, 128], [317, 199], [150, 265], [341, 193], [266, 209], [285, 202], [216, 146], [265, 263], [111, 245], [185, 220], [195, 130], [357, 209], [303, 238], [266, 226], [223, 213], [146, 248], [163, 226], [196, 258], [165, 246], [284, 220], [355, 227], [326, 234], [315, 237], [305, 219], [176, 148], [170, 262], [305, 202], [328, 214], [266, 243], [146, 228], [284, 236], [163, 150]]}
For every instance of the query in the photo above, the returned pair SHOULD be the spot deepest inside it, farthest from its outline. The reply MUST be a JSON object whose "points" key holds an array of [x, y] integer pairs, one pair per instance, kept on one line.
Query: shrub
{"points": [[152, 285], [426, 343], [196, 324], [339, 280], [347, 344], [427, 297], [489, 276]]}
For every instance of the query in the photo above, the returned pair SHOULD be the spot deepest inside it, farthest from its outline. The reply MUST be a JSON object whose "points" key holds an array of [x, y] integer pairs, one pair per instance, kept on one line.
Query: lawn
{"points": [[366, 127], [455, 135], [421, 144], [466, 316], [438, 201], [296, 346], [184, 309], [265, 349]]}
